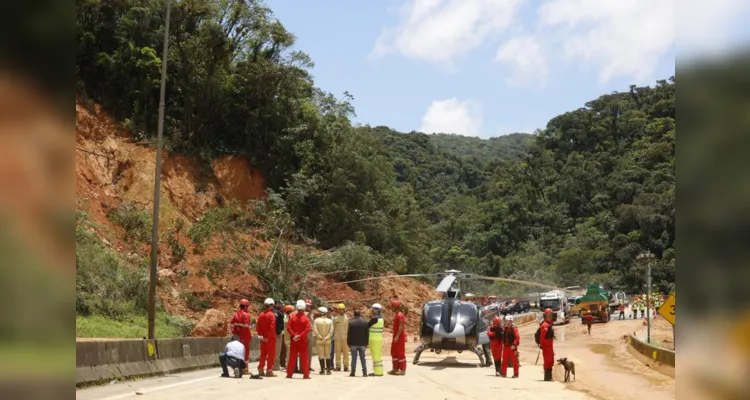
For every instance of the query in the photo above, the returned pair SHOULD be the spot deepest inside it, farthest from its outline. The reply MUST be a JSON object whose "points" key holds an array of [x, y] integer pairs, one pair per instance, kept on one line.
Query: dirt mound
{"points": [[112, 169]]}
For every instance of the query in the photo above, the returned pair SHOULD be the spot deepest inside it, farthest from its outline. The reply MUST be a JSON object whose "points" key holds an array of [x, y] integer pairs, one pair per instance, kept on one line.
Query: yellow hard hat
{"points": [[341, 306]]}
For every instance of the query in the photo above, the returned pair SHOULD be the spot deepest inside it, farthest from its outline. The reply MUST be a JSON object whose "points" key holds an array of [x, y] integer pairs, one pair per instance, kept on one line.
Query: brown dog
{"points": [[570, 367]]}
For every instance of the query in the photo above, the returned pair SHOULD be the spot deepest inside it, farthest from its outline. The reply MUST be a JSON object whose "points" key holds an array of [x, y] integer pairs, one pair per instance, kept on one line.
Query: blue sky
{"points": [[483, 67]]}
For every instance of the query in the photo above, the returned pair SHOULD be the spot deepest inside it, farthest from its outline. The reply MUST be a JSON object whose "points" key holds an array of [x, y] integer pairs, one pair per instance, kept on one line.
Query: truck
{"points": [[556, 300], [596, 302]]}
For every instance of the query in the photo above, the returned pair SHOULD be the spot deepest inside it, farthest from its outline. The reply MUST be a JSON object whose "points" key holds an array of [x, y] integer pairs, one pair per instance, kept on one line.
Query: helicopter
{"points": [[451, 324]]}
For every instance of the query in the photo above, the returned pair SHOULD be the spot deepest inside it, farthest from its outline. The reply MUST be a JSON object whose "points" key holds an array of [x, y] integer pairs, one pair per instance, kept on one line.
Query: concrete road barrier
{"points": [[663, 356], [103, 361]]}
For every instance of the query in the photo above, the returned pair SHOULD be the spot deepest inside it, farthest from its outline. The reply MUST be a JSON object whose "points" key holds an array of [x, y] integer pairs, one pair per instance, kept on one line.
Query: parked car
{"points": [[517, 307]]}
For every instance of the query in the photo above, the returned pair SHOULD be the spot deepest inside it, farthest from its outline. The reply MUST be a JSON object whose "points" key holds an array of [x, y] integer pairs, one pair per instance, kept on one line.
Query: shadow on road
{"points": [[448, 362]]}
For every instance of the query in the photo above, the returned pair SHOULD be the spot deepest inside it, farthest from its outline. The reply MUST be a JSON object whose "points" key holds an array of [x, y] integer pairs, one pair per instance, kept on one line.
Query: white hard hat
{"points": [[323, 310], [301, 305], [269, 302], [509, 318], [377, 305]]}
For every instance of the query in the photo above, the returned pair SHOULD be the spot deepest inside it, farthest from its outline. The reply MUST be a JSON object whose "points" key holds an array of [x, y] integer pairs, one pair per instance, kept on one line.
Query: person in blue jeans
{"points": [[233, 356], [357, 340]]}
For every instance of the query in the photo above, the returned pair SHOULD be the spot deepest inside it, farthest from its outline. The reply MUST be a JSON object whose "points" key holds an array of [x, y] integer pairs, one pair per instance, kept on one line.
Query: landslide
{"points": [[114, 172]]}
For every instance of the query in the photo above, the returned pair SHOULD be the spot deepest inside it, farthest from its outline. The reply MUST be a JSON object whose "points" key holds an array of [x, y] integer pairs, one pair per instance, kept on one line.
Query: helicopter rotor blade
{"points": [[527, 283], [374, 278]]}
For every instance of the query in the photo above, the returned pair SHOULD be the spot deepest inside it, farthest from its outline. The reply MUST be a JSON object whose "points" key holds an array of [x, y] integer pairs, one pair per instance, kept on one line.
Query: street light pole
{"points": [[157, 185], [646, 258]]}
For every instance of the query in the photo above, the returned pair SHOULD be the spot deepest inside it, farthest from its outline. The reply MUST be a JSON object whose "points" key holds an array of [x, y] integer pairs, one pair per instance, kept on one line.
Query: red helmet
{"points": [[245, 302], [395, 304], [548, 311], [308, 302], [496, 322]]}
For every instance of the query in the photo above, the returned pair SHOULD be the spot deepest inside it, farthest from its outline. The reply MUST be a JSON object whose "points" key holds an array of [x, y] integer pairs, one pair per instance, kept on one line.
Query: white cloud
{"points": [[527, 60], [453, 116], [622, 38], [441, 30]]}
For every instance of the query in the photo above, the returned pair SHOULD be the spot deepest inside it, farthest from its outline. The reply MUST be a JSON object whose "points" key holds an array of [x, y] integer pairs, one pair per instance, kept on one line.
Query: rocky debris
{"points": [[165, 275], [213, 324]]}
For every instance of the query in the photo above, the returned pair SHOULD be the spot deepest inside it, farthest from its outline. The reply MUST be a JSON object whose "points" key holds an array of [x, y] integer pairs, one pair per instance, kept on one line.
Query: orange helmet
{"points": [[395, 304], [496, 322], [245, 302], [548, 311], [288, 308]]}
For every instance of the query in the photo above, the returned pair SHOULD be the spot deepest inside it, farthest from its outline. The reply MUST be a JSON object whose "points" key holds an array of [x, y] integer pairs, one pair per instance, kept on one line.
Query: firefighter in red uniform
{"points": [[495, 333], [240, 325], [546, 338], [510, 346], [298, 328], [267, 335], [398, 345]]}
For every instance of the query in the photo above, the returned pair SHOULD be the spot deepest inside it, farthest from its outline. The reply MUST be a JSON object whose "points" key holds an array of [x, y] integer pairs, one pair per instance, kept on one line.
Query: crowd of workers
{"points": [[288, 333]]}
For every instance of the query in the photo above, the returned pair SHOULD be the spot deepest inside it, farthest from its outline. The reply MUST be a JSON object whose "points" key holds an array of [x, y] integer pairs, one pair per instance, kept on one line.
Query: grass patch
{"points": [[135, 327], [136, 222]]}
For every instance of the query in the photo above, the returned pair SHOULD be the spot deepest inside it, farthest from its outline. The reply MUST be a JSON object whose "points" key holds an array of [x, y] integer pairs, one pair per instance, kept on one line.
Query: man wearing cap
{"points": [[288, 309], [340, 334], [546, 338], [376, 325], [267, 335], [240, 325], [298, 328], [323, 331], [511, 337], [398, 345], [278, 312]]}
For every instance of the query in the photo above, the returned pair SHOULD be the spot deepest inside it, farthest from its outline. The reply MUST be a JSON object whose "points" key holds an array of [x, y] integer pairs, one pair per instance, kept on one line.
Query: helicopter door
{"points": [[486, 314]]}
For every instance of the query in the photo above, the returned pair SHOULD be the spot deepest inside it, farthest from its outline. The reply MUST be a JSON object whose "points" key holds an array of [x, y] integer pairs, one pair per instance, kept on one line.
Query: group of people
{"points": [[287, 334], [504, 338]]}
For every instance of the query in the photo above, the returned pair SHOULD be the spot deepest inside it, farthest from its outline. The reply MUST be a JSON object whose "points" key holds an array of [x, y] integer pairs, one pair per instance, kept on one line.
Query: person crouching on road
{"points": [[357, 338], [323, 331], [298, 328], [398, 345], [240, 326], [376, 325], [546, 339], [511, 337], [340, 338], [233, 356], [495, 333], [267, 334]]}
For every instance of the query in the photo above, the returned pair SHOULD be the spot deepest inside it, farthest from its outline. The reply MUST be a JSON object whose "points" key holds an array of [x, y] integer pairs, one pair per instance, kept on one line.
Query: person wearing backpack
{"points": [[544, 337]]}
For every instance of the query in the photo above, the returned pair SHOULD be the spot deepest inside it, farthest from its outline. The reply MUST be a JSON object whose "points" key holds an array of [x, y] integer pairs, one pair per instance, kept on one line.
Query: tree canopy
{"points": [[572, 204]]}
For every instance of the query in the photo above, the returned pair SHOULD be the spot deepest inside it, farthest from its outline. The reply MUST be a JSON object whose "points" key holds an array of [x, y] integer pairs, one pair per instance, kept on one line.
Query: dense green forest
{"points": [[571, 204]]}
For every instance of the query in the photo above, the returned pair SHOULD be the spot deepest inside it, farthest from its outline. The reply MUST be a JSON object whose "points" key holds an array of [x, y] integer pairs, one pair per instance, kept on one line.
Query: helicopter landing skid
{"points": [[418, 352], [480, 354]]}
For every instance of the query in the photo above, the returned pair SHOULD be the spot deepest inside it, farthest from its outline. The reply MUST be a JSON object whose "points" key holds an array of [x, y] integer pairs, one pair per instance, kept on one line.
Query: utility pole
{"points": [[157, 185], [646, 258]]}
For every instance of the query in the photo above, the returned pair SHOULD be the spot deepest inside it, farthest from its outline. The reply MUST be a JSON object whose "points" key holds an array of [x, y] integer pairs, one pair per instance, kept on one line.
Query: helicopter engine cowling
{"points": [[449, 325]]}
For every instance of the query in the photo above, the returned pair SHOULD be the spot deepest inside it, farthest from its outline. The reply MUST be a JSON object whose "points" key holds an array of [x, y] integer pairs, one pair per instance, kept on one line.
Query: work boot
{"points": [[399, 373], [515, 376], [322, 366], [548, 374], [392, 372], [261, 373], [352, 374], [346, 369], [337, 369], [328, 367], [270, 374], [224, 375]]}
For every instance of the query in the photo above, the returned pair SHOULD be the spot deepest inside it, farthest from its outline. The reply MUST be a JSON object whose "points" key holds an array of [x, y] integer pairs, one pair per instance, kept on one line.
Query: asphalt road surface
{"points": [[604, 371]]}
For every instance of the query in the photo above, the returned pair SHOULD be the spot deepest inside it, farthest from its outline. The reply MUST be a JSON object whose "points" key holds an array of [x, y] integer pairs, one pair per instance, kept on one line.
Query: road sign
{"points": [[667, 310]]}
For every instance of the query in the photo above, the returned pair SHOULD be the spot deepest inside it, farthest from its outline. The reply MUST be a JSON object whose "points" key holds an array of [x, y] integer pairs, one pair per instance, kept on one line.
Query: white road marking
{"points": [[158, 388]]}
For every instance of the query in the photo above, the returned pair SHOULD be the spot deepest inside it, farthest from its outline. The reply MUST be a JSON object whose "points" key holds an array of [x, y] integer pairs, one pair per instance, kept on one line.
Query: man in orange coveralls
{"points": [[546, 339], [240, 325], [510, 345], [398, 345], [267, 335], [495, 333], [298, 328]]}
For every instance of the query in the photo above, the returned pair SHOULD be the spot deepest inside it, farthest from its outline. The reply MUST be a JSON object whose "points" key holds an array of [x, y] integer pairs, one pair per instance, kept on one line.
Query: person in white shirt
{"points": [[233, 355]]}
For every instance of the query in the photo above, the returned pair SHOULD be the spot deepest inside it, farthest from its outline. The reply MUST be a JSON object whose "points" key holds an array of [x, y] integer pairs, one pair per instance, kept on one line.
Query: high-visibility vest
{"points": [[376, 331]]}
